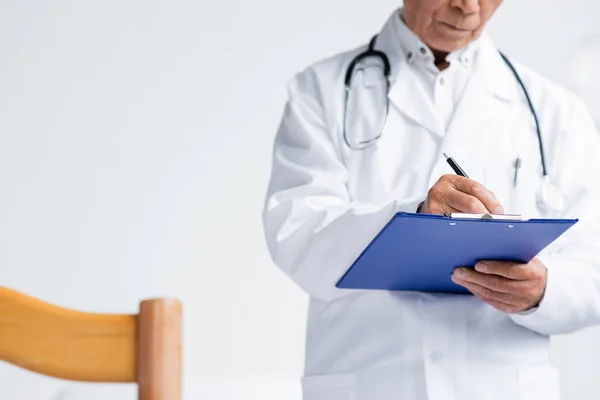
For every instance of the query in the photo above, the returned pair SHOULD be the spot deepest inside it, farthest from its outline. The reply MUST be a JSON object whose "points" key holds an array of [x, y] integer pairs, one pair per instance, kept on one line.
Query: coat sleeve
{"points": [[572, 298], [314, 230]]}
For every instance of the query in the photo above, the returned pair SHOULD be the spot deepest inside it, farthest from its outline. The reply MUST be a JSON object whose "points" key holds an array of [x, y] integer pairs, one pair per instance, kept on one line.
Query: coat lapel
{"points": [[488, 94], [406, 93]]}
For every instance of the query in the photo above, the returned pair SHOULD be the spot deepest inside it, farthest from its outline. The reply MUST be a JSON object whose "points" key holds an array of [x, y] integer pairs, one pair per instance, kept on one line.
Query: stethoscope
{"points": [[549, 197]]}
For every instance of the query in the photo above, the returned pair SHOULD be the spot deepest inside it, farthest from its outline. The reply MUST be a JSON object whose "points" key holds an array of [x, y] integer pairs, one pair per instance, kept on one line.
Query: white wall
{"points": [[135, 141]]}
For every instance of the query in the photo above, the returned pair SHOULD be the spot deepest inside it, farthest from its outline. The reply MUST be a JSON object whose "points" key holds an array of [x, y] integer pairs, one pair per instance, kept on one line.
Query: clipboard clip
{"points": [[489, 217]]}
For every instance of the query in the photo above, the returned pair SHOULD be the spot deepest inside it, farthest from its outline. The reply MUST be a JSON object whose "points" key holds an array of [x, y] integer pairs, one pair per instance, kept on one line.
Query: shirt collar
{"points": [[415, 50], [486, 60]]}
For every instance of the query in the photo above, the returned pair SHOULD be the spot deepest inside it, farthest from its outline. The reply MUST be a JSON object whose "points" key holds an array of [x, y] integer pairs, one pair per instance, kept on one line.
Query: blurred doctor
{"points": [[337, 178]]}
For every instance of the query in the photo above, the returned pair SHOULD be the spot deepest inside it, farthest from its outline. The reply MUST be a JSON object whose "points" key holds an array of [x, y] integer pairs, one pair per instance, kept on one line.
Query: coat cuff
{"points": [[329, 292], [540, 318]]}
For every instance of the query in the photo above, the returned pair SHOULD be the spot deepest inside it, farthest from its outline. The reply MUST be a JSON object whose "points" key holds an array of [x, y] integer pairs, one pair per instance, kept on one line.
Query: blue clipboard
{"points": [[419, 252]]}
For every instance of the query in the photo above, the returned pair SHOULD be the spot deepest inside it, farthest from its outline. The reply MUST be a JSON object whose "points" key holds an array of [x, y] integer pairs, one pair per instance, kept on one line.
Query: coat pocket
{"points": [[539, 383], [329, 387]]}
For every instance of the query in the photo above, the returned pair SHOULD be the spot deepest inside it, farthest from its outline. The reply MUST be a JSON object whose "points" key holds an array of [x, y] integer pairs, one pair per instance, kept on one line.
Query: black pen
{"points": [[455, 166]]}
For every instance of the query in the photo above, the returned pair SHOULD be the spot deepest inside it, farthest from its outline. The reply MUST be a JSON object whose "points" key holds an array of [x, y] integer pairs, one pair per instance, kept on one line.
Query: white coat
{"points": [[326, 202]]}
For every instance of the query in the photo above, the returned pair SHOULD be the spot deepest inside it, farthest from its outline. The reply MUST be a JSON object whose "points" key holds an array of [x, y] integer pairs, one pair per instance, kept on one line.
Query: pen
{"points": [[455, 166], [517, 166]]}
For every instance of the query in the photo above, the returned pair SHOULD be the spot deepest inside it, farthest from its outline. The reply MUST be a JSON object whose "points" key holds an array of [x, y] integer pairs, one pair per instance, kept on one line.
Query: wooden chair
{"points": [[79, 346]]}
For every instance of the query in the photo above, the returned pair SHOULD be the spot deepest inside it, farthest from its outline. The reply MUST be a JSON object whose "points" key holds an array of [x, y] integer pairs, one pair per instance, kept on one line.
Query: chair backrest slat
{"points": [[144, 348], [64, 343]]}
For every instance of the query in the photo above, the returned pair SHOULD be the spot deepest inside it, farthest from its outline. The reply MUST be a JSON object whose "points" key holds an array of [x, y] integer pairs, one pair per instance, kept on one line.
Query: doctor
{"points": [[345, 163]]}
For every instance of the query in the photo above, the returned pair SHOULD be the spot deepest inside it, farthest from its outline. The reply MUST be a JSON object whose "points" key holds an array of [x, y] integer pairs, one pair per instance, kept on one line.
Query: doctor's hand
{"points": [[506, 286], [454, 193]]}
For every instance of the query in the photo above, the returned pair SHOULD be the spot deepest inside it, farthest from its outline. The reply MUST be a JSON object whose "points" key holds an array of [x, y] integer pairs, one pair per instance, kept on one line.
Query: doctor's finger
{"points": [[441, 208], [487, 293], [498, 305], [476, 189], [465, 203], [507, 269], [494, 282], [532, 271]]}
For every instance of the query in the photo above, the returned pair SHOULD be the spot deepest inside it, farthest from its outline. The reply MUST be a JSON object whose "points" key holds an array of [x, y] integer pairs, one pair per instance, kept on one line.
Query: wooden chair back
{"points": [[143, 348]]}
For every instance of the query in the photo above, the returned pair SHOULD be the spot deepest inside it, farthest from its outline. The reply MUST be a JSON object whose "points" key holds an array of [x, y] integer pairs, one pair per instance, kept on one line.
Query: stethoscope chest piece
{"points": [[550, 199]]}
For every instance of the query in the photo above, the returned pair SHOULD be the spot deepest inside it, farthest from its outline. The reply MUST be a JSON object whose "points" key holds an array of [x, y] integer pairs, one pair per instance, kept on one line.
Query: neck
{"points": [[440, 56], [440, 59]]}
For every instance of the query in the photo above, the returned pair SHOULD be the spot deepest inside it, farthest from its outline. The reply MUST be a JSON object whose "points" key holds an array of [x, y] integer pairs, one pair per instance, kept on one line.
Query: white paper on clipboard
{"points": [[498, 217]]}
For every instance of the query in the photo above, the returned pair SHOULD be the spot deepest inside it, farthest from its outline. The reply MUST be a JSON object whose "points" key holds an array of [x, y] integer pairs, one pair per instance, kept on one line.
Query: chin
{"points": [[449, 46]]}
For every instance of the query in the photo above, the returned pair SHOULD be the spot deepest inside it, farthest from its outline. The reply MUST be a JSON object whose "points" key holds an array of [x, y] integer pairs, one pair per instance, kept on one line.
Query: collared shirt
{"points": [[444, 88]]}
